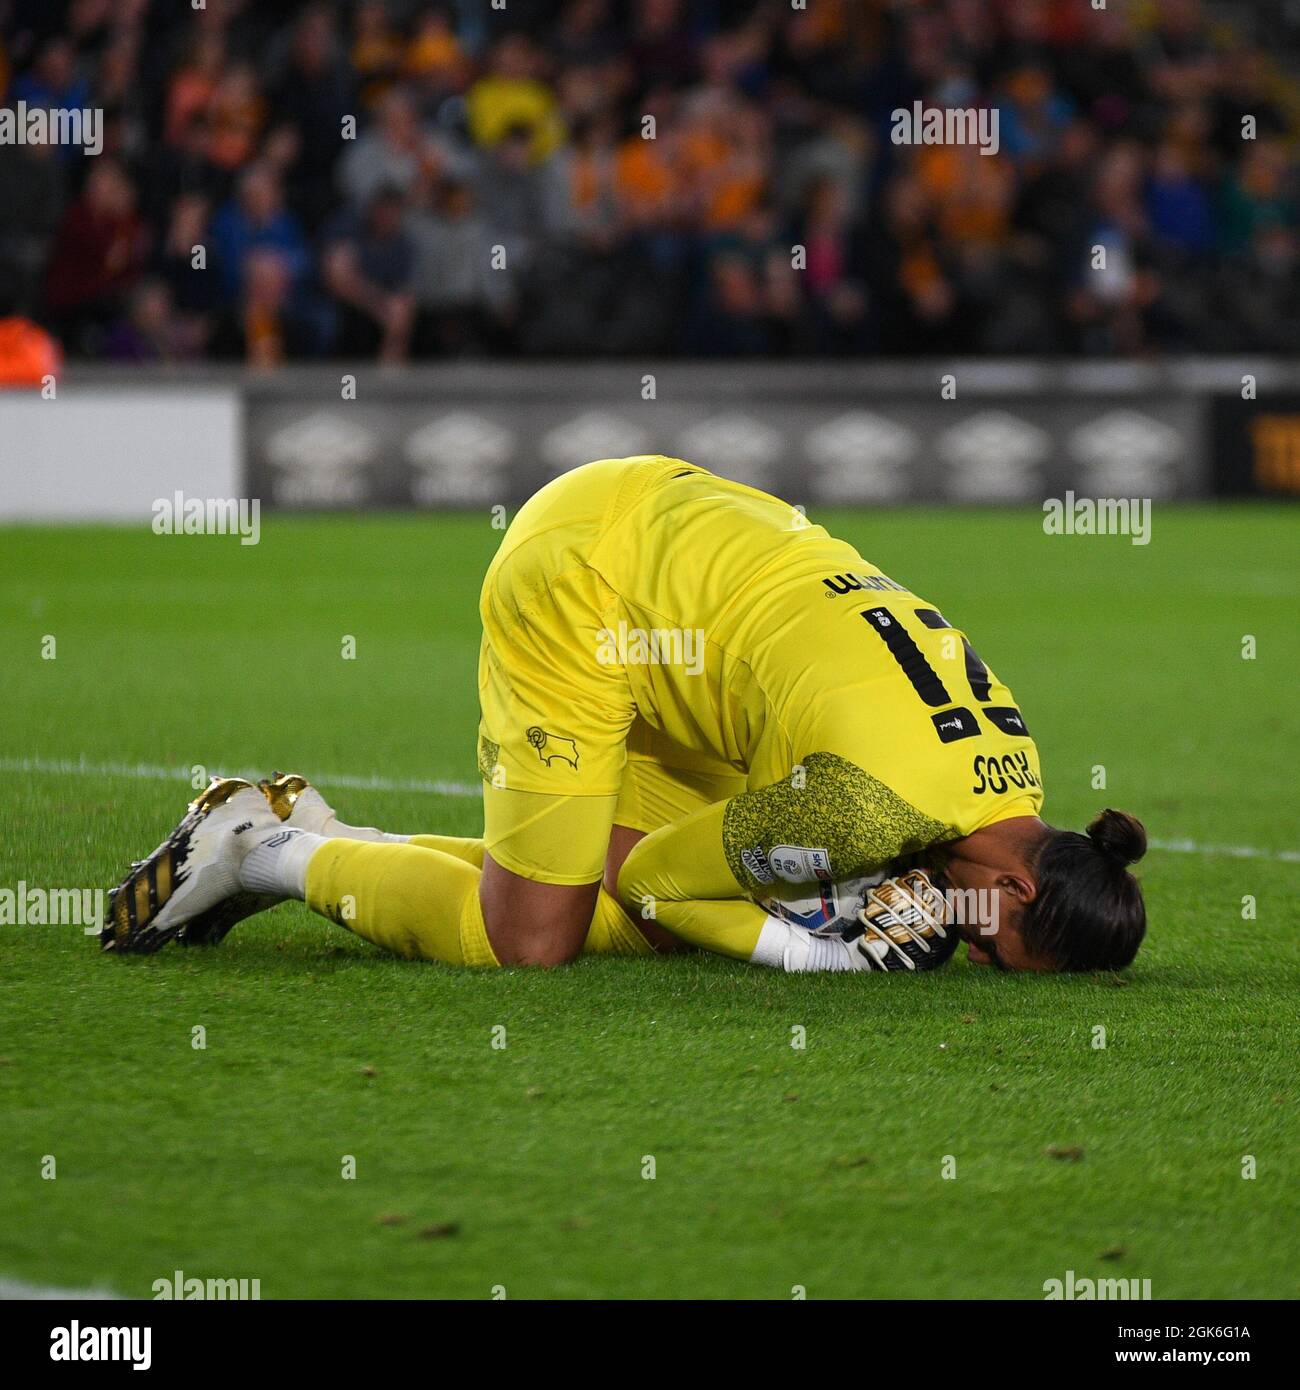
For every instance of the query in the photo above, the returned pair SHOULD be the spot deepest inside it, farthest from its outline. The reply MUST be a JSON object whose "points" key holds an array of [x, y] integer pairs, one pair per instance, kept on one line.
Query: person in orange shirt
{"points": [[194, 85], [376, 53], [646, 184], [434, 55], [725, 159], [236, 111], [970, 192], [28, 354]]}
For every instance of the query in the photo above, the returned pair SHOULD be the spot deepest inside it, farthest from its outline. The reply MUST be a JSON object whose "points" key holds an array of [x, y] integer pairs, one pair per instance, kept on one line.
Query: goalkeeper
{"points": [[690, 697]]}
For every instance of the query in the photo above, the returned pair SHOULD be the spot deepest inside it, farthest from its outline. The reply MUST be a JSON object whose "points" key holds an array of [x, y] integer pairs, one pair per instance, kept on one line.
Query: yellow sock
{"points": [[430, 908], [613, 932], [410, 899], [471, 851], [682, 872]]}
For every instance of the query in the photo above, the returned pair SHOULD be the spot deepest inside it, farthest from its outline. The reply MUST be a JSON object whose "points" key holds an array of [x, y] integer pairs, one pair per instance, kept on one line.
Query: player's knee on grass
{"points": [[530, 923]]}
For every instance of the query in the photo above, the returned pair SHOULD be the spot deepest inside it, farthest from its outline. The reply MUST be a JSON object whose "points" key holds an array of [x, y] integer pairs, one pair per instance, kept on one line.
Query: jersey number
{"points": [[924, 678]]}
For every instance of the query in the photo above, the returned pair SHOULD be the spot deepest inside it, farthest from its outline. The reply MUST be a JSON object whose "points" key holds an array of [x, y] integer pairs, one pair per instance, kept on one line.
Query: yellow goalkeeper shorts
{"points": [[564, 839]]}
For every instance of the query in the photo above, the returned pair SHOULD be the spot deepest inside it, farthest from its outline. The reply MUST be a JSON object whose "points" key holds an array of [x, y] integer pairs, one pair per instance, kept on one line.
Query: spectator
{"points": [[394, 153], [1032, 115], [148, 331], [184, 167], [523, 202], [914, 288], [649, 183], [511, 97], [267, 326], [725, 153], [1111, 293], [646, 166], [54, 82], [590, 173], [584, 34], [836, 293], [733, 316], [463, 303], [836, 146], [192, 279], [1259, 193], [1258, 304], [434, 61], [195, 84], [28, 354], [1103, 72], [31, 199], [98, 253], [368, 266], [312, 97], [236, 113], [1181, 63], [1178, 205], [375, 55], [661, 49], [256, 219]]}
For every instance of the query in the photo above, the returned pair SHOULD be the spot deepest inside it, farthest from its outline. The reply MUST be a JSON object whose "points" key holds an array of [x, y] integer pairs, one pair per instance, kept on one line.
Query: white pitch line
{"points": [[157, 772], [17, 1290], [1281, 856]]}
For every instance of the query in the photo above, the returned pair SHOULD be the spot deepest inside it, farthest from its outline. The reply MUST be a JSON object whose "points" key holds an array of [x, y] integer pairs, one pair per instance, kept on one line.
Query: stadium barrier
{"points": [[105, 450], [489, 433]]}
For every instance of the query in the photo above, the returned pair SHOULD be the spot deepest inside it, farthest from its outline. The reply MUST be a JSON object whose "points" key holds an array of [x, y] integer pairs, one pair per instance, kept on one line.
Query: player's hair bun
{"points": [[1118, 835]]}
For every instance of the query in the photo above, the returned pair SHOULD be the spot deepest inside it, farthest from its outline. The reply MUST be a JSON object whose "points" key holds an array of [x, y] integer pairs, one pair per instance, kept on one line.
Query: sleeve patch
{"points": [[857, 823]]}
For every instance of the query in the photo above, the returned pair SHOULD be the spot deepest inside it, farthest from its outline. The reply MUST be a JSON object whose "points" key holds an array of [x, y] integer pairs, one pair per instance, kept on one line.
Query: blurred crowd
{"points": [[397, 179]]}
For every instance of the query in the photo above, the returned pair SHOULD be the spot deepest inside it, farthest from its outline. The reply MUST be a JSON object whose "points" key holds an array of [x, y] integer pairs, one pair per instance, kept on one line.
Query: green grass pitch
{"points": [[776, 1168]]}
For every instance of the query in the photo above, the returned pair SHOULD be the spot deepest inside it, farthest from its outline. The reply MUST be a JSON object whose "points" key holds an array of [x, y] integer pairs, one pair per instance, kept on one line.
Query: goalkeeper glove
{"points": [[906, 925]]}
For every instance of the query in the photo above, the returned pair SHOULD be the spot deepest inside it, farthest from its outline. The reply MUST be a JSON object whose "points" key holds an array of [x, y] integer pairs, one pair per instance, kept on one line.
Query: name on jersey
{"points": [[854, 583], [996, 774]]}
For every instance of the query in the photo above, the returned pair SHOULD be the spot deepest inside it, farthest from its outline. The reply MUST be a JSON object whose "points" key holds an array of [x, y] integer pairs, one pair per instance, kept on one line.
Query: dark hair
{"points": [[1088, 912]]}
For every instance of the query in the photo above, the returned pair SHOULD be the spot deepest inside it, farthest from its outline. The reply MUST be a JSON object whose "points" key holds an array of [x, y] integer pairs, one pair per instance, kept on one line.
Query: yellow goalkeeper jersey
{"points": [[866, 725]]}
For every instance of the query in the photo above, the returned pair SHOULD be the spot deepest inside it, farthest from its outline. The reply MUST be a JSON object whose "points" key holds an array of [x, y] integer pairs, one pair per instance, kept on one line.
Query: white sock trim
{"points": [[312, 813], [278, 863], [772, 942], [337, 830], [794, 950]]}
